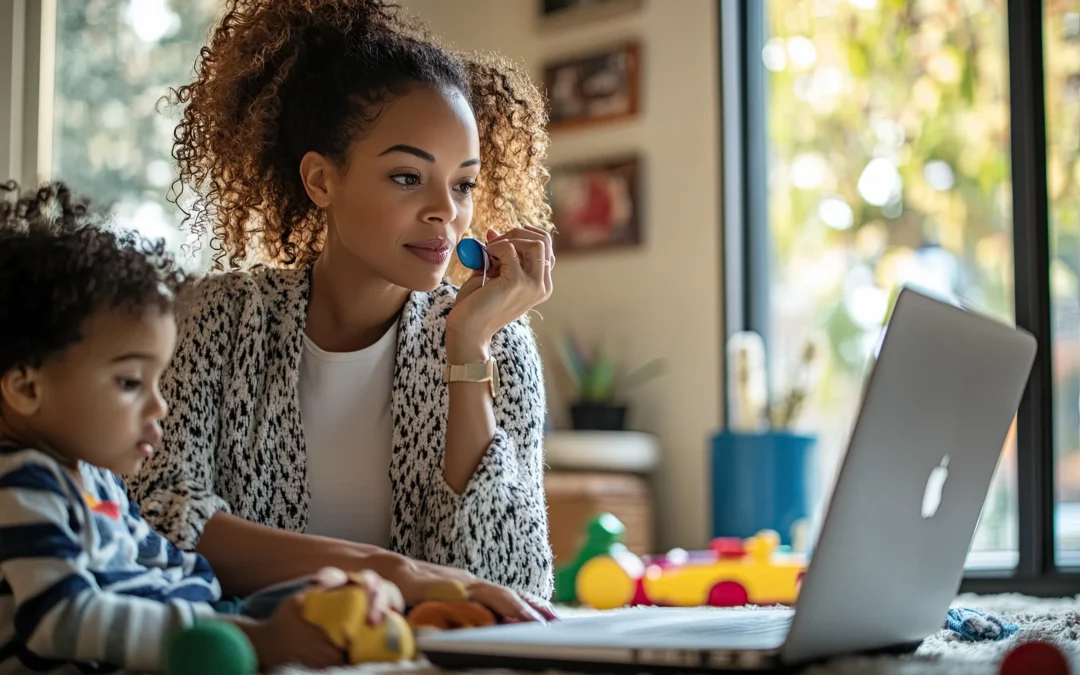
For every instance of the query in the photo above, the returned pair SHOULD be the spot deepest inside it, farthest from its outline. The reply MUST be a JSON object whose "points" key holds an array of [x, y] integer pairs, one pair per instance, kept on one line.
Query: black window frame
{"points": [[746, 278]]}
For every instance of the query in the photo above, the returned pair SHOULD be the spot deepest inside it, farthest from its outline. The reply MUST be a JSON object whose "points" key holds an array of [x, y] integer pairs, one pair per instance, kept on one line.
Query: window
{"points": [[1062, 50], [112, 133], [895, 170], [872, 143]]}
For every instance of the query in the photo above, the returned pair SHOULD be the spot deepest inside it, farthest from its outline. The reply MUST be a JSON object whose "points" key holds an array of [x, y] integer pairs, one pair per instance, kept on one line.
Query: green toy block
{"points": [[603, 536]]}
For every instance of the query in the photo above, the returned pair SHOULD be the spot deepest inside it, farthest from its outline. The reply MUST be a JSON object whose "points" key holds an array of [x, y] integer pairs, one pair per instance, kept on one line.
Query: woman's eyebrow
{"points": [[422, 154]]}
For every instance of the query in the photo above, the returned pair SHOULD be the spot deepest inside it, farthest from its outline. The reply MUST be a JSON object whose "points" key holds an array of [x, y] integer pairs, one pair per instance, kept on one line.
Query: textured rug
{"points": [[1055, 620]]}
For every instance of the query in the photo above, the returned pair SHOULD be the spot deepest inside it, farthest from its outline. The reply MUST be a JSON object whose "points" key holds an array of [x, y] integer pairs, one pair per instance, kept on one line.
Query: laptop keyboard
{"points": [[699, 623], [697, 629], [706, 628]]}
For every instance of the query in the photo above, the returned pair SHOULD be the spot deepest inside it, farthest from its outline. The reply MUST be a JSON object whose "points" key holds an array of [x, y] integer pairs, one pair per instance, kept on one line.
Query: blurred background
{"points": [[876, 152]]}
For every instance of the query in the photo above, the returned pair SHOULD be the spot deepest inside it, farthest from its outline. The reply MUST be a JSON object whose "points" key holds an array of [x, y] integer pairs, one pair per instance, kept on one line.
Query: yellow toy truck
{"points": [[731, 573]]}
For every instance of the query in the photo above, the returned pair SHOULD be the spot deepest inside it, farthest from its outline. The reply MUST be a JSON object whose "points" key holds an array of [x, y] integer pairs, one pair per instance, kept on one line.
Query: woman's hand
{"points": [[518, 280], [420, 581]]}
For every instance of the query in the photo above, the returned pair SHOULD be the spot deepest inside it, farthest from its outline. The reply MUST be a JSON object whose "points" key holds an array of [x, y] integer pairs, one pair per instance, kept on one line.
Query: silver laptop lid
{"points": [[934, 417]]}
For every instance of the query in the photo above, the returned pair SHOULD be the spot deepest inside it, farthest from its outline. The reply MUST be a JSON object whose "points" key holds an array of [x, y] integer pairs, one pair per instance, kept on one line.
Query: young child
{"points": [[86, 328]]}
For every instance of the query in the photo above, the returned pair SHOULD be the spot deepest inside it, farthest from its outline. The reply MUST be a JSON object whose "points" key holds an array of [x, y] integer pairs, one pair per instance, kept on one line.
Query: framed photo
{"points": [[593, 89], [596, 205], [558, 14]]}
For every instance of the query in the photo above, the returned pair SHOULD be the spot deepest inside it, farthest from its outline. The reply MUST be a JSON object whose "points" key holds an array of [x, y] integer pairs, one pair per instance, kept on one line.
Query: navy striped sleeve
{"points": [[32, 477], [68, 595]]}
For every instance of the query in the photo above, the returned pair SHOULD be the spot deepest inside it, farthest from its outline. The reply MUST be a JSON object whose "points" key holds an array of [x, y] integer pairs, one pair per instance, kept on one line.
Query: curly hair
{"points": [[280, 78], [59, 265]]}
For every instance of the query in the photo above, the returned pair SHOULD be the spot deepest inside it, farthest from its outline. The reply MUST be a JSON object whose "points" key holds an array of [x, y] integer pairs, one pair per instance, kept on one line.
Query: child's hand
{"points": [[286, 638], [362, 617], [384, 596]]}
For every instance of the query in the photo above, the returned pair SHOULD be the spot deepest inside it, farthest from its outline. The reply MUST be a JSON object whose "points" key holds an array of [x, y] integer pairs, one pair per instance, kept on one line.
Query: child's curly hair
{"points": [[280, 78], [59, 265]]}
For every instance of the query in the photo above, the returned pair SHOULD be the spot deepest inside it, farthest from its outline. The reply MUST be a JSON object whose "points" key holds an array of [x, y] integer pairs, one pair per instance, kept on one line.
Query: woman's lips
{"points": [[431, 250]]}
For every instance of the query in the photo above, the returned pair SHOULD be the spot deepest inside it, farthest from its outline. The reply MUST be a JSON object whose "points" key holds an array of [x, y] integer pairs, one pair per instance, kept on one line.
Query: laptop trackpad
{"points": [[644, 628]]}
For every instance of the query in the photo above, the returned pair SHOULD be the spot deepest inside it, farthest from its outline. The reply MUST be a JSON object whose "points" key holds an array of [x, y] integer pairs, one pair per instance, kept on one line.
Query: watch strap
{"points": [[482, 371]]}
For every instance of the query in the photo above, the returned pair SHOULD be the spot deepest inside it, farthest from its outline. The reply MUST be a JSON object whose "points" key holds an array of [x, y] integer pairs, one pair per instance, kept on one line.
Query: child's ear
{"points": [[20, 389]]}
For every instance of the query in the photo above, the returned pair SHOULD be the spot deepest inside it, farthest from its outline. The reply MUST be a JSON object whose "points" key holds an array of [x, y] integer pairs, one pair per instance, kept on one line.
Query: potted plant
{"points": [[597, 403]]}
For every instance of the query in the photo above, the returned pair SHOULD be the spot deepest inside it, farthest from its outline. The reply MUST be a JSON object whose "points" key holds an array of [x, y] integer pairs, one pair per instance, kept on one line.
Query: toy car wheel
{"points": [[604, 583], [728, 594]]}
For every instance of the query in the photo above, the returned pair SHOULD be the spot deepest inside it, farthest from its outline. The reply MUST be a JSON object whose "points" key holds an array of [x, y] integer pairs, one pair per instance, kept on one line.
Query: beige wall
{"points": [[663, 299]]}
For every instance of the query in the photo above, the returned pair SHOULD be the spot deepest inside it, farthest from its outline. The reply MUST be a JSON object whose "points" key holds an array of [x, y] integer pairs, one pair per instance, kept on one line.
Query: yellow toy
{"points": [[732, 573], [342, 612]]}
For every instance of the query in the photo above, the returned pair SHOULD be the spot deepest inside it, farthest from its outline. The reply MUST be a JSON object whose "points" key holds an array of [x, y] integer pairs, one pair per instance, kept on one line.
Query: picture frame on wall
{"points": [[596, 205], [595, 88], [560, 14]]}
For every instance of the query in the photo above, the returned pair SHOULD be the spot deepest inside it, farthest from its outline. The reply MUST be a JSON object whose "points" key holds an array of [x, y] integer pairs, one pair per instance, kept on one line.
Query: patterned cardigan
{"points": [[233, 438]]}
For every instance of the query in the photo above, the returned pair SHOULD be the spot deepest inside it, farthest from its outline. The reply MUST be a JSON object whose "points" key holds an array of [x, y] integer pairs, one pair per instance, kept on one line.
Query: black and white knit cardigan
{"points": [[233, 438]]}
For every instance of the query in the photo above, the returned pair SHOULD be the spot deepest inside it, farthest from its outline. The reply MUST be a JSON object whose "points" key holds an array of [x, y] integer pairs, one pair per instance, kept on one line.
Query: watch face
{"points": [[478, 372]]}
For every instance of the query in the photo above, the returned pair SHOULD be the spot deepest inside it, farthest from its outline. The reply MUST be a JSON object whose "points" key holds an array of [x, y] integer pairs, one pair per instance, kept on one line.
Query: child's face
{"points": [[98, 401]]}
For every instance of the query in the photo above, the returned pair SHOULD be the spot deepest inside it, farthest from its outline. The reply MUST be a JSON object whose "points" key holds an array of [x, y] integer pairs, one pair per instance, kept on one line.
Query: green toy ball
{"points": [[210, 648]]}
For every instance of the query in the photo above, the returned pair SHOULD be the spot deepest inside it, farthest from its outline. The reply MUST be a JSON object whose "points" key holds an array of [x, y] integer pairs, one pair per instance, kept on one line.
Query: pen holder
{"points": [[760, 481]]}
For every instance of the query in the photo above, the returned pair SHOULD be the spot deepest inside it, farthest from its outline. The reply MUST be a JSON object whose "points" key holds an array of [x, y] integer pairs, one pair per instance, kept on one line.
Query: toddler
{"points": [[86, 328]]}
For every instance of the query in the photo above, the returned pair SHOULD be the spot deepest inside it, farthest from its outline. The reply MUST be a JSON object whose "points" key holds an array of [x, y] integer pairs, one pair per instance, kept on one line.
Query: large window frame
{"points": [[27, 42], [746, 274]]}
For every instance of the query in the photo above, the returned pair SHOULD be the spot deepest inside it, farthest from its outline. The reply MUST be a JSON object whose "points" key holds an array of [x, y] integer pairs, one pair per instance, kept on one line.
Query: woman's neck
{"points": [[349, 306]]}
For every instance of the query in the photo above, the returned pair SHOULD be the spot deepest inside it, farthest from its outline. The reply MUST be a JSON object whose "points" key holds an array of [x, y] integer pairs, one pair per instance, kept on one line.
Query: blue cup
{"points": [[760, 481]]}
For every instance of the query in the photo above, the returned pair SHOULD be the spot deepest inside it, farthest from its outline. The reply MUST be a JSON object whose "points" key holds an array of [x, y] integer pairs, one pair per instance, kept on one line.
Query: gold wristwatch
{"points": [[484, 371]]}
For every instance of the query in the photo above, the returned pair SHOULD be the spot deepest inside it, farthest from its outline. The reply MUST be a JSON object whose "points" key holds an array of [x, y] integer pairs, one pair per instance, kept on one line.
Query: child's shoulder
{"points": [[25, 467], [14, 456], [30, 468]]}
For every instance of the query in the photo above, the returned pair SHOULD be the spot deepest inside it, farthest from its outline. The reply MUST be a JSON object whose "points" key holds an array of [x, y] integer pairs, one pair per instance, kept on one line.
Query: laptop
{"points": [[936, 410]]}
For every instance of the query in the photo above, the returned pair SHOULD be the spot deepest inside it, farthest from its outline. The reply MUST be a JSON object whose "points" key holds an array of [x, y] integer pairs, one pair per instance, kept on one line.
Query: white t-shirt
{"points": [[348, 429]]}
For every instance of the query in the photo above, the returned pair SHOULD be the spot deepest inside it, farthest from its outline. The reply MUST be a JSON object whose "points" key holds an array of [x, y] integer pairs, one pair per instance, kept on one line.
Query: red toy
{"points": [[1031, 658]]}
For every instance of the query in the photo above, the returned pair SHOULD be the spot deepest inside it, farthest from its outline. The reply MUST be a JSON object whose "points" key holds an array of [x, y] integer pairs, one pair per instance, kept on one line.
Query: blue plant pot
{"points": [[760, 481]]}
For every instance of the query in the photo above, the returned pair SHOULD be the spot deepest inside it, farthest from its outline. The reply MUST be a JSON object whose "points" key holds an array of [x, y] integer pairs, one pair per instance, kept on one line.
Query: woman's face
{"points": [[403, 200]]}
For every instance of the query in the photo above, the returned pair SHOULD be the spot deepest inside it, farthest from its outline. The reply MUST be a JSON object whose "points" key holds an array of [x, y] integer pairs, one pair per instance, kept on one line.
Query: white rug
{"points": [[1056, 621]]}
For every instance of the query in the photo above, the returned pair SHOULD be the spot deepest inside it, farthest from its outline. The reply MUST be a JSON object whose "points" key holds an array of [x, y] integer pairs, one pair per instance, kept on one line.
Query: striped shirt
{"points": [[85, 584]]}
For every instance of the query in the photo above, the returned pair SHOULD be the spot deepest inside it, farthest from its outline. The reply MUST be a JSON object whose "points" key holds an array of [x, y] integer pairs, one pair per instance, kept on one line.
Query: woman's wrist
{"points": [[467, 347], [398, 569], [383, 562]]}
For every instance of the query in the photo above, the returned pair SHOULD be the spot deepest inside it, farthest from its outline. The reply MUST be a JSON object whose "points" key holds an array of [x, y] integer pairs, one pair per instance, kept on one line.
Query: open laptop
{"points": [[938, 404]]}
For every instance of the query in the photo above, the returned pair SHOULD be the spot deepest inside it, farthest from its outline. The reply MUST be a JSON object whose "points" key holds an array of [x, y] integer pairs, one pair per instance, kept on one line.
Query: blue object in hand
{"points": [[475, 256], [472, 254]]}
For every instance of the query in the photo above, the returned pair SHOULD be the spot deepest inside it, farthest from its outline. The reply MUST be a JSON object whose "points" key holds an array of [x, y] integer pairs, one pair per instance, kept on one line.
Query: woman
{"points": [[312, 405]]}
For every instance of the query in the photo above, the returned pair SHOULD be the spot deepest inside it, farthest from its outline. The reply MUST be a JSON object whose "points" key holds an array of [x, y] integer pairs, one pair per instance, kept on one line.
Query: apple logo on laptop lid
{"points": [[935, 484]]}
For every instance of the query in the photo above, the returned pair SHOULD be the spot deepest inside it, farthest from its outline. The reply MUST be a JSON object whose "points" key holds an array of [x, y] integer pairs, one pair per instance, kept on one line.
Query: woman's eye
{"points": [[406, 179], [467, 187]]}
